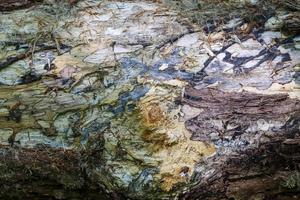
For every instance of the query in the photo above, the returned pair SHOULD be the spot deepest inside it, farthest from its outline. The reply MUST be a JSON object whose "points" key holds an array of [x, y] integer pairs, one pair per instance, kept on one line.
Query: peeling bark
{"points": [[238, 111], [256, 169], [255, 173], [144, 105]]}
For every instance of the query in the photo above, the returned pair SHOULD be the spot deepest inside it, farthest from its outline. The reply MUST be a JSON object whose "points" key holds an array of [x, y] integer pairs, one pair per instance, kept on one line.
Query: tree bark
{"points": [[8, 5], [257, 172], [143, 107]]}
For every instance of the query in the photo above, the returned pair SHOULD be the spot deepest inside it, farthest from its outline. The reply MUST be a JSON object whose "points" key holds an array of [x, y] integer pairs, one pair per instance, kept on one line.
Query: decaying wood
{"points": [[256, 172], [259, 172], [12, 59], [143, 112], [25, 176], [236, 109], [7, 5]]}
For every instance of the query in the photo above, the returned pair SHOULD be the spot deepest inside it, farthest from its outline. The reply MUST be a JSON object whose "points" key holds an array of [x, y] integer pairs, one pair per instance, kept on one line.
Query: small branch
{"points": [[12, 59]]}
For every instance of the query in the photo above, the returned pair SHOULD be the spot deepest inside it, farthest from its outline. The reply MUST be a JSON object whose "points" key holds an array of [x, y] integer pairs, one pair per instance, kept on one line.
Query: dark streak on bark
{"points": [[12, 59], [8, 5]]}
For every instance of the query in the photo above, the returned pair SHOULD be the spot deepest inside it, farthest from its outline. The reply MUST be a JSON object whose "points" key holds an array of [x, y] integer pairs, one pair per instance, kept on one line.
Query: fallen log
{"points": [[122, 116]]}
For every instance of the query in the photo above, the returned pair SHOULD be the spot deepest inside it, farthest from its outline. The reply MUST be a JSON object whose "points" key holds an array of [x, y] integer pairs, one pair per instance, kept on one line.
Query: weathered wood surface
{"points": [[233, 120], [10, 5], [6, 5], [134, 100]]}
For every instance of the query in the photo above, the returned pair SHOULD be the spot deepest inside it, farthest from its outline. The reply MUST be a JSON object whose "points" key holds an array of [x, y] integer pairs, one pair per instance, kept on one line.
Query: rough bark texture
{"points": [[255, 172], [10, 5], [260, 174], [130, 99], [239, 111], [7, 5], [46, 173]]}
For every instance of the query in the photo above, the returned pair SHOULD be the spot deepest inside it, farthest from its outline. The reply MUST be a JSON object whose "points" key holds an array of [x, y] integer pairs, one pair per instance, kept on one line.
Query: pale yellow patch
{"points": [[65, 60], [292, 89], [169, 139], [175, 82]]}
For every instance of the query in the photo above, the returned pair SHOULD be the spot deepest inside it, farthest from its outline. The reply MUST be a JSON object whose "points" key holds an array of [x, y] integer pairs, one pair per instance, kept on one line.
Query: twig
{"points": [[33, 46], [12, 59], [172, 40]]}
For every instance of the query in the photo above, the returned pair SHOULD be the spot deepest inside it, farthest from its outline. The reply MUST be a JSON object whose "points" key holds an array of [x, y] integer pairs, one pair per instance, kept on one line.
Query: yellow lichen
{"points": [[169, 139]]}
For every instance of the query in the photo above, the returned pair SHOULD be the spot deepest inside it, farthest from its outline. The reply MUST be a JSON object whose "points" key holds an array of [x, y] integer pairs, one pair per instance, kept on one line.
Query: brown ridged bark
{"points": [[260, 171]]}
